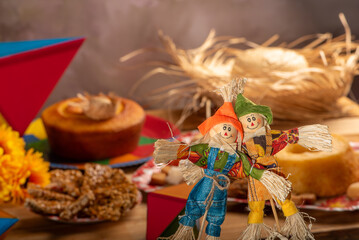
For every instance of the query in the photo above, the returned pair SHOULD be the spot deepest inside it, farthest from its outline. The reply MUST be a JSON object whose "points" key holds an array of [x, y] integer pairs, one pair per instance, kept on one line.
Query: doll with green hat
{"points": [[261, 143]]}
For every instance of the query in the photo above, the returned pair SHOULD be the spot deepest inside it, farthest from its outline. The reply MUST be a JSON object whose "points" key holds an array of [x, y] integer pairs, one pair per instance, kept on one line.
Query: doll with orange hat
{"points": [[207, 163]]}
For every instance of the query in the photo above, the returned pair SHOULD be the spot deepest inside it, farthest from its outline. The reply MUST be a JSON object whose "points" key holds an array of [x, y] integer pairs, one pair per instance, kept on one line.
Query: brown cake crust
{"points": [[74, 136]]}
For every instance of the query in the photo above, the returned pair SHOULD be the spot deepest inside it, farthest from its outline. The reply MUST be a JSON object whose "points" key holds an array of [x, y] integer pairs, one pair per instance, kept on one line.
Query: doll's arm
{"points": [[198, 154], [243, 167], [280, 139], [314, 137], [237, 171], [277, 185], [194, 160], [166, 151]]}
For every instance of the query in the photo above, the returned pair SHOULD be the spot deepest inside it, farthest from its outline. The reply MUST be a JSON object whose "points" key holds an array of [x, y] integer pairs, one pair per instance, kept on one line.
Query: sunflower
{"points": [[14, 171], [17, 167], [39, 169], [4, 190], [10, 141]]}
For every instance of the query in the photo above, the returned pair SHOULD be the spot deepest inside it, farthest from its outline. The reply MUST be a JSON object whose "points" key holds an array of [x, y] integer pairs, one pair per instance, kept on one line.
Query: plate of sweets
{"points": [[99, 193]]}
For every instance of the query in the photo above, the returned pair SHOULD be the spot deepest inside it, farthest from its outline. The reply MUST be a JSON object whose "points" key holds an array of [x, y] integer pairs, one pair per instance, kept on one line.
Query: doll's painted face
{"points": [[226, 131], [251, 122]]}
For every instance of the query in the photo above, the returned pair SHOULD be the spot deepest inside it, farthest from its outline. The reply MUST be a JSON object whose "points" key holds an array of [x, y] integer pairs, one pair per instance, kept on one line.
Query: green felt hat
{"points": [[245, 106]]}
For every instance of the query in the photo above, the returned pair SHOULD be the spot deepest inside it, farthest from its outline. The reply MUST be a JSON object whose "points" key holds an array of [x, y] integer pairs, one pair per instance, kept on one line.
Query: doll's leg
{"points": [[288, 207], [255, 221], [194, 210], [215, 218], [256, 212], [295, 227]]}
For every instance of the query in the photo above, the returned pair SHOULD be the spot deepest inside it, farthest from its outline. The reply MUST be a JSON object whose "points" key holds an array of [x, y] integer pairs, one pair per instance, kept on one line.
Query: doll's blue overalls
{"points": [[196, 207]]}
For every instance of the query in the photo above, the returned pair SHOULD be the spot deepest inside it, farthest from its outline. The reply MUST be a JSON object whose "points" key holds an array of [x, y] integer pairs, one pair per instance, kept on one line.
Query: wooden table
{"points": [[35, 227], [329, 225]]}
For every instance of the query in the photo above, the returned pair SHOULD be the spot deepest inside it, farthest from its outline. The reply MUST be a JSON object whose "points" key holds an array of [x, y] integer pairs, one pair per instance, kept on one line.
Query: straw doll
{"points": [[208, 163], [261, 143]]}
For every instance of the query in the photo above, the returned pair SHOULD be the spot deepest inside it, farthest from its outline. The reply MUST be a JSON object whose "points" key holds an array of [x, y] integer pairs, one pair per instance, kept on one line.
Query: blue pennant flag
{"points": [[6, 223], [11, 48]]}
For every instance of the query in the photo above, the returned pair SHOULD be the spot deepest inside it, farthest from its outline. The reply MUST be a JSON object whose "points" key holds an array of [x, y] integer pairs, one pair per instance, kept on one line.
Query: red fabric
{"points": [[224, 114], [282, 138], [162, 208], [144, 150], [155, 127]]}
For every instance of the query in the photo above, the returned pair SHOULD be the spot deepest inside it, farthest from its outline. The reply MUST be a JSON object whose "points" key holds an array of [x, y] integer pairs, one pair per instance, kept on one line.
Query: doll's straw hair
{"points": [[230, 91]]}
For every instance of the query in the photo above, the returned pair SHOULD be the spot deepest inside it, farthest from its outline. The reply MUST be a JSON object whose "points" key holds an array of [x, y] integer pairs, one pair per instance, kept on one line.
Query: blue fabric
{"points": [[195, 206], [230, 162], [6, 223], [11, 48], [213, 152], [29, 138]]}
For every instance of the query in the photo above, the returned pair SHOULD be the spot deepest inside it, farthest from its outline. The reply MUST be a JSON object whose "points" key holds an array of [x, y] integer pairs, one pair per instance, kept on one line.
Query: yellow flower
{"points": [[18, 167], [10, 142], [39, 169], [4, 190], [14, 171]]}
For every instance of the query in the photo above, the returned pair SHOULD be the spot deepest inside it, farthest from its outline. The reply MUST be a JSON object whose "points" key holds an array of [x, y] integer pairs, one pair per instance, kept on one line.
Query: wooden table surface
{"points": [[31, 226], [328, 225]]}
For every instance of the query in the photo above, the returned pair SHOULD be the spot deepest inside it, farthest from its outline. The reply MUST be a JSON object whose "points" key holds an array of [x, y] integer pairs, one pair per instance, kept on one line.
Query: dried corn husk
{"points": [[100, 107], [299, 84]]}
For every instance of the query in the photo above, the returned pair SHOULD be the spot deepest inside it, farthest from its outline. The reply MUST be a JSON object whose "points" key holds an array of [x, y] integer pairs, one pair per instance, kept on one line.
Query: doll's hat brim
{"points": [[224, 114], [245, 106]]}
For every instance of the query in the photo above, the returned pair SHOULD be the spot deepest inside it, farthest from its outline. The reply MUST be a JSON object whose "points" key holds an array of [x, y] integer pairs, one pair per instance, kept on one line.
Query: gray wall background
{"points": [[114, 28]]}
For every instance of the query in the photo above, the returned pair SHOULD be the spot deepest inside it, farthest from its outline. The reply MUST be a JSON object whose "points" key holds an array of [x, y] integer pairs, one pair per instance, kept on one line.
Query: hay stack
{"points": [[310, 82]]}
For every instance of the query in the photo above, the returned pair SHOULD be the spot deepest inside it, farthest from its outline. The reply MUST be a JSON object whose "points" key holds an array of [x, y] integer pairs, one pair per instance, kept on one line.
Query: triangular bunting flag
{"points": [[6, 223], [29, 70]]}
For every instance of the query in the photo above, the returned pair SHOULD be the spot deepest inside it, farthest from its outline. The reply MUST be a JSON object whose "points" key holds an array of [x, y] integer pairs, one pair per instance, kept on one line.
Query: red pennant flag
{"points": [[29, 71]]}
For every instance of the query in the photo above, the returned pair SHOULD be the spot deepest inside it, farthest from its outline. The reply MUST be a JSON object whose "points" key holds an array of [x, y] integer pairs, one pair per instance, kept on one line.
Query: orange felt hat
{"points": [[224, 114]]}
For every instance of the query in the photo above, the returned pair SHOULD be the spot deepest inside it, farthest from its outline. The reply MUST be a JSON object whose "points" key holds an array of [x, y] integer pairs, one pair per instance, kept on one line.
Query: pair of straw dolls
{"points": [[237, 143]]}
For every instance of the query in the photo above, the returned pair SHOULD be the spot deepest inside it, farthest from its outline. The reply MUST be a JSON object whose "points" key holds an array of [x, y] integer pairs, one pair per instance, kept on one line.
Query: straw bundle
{"points": [[297, 83]]}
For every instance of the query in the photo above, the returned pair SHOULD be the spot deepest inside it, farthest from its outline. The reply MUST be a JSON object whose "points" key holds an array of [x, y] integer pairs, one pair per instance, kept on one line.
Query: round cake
{"points": [[325, 174], [93, 128]]}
